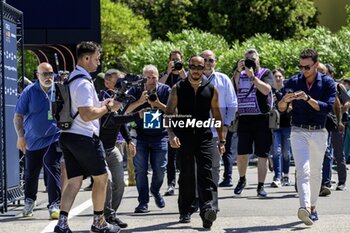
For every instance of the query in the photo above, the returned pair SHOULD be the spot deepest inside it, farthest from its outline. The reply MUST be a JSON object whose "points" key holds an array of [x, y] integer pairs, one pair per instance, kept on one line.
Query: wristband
{"points": [[223, 142], [252, 78], [308, 98]]}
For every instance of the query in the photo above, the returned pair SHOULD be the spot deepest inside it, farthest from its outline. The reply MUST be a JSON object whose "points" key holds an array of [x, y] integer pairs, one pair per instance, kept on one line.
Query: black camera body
{"points": [[152, 95], [178, 65], [124, 84], [249, 63]]}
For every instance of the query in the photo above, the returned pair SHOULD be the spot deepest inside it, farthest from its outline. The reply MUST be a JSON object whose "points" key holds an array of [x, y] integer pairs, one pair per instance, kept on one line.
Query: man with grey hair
{"points": [[228, 108], [254, 101], [152, 139]]}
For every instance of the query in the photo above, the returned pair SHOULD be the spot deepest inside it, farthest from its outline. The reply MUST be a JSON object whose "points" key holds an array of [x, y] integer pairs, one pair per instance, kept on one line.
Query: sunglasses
{"points": [[46, 74], [194, 67], [210, 60], [308, 67]]}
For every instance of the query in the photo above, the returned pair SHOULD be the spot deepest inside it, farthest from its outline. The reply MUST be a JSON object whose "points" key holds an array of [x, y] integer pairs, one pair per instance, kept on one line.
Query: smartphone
{"points": [[289, 90]]}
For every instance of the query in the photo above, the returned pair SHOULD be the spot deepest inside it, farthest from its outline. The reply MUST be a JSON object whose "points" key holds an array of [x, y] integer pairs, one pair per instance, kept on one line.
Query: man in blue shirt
{"points": [[228, 108], [312, 96], [152, 144], [37, 138]]}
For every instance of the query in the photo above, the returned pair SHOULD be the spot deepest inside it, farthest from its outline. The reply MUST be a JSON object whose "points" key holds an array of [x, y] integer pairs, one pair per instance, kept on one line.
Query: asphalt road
{"points": [[245, 213]]}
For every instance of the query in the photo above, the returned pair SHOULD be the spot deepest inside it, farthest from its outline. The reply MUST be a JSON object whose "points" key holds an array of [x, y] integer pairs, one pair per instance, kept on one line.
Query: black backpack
{"points": [[62, 106]]}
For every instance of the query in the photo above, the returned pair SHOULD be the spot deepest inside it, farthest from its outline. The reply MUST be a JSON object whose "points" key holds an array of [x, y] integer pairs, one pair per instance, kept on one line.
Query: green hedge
{"points": [[332, 48]]}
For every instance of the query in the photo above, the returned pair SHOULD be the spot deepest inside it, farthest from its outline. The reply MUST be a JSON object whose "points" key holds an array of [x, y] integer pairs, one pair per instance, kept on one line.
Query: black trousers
{"points": [[171, 166], [197, 150]]}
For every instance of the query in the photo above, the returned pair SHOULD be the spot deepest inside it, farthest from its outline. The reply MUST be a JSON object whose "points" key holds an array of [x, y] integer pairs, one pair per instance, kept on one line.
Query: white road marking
{"points": [[74, 212]]}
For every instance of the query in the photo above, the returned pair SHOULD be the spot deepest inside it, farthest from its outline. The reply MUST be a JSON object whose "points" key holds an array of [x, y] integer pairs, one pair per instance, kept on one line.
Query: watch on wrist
{"points": [[223, 142], [308, 98], [252, 78]]}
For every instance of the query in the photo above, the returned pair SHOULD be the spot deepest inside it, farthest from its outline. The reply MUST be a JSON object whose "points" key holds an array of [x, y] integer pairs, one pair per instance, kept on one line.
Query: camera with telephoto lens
{"points": [[249, 63], [178, 65], [124, 84], [152, 95]]}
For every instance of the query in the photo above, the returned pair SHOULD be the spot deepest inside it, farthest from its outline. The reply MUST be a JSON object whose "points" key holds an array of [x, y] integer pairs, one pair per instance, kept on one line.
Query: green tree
{"points": [[120, 28], [189, 42], [233, 19], [163, 15]]}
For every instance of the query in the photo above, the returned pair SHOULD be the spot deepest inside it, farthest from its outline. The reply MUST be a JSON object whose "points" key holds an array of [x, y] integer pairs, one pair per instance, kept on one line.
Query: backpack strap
{"points": [[75, 78]]}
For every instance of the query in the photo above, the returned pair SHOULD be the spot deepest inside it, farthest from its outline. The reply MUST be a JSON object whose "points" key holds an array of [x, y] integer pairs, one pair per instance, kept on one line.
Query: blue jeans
{"points": [[156, 153], [281, 151], [230, 153]]}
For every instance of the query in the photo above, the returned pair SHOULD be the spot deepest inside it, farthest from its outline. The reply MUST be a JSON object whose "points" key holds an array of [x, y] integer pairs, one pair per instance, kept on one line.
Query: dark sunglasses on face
{"points": [[308, 67], [194, 67], [46, 74], [210, 60]]}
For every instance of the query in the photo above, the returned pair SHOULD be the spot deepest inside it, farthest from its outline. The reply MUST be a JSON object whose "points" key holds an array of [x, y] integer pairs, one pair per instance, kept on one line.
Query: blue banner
{"points": [[10, 82]]}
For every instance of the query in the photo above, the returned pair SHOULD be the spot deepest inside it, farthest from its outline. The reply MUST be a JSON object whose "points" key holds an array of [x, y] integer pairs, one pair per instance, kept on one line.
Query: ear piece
{"points": [[87, 58]]}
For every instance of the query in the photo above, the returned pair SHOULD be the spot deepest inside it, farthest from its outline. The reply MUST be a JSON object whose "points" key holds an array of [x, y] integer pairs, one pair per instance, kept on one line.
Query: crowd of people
{"points": [[312, 129]]}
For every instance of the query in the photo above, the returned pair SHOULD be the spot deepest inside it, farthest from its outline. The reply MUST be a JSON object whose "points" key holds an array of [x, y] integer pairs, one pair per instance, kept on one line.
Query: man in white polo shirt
{"points": [[81, 146]]}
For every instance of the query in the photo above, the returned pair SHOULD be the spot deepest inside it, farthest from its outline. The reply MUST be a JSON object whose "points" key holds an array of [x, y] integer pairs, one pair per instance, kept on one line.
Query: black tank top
{"points": [[198, 105]]}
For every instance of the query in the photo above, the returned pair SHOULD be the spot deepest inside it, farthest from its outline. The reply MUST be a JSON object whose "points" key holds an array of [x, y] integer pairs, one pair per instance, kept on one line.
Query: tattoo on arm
{"points": [[18, 122], [171, 108]]}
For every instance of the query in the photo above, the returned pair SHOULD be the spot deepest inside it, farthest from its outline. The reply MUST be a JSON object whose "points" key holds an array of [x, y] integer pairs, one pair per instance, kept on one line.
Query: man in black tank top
{"points": [[194, 97]]}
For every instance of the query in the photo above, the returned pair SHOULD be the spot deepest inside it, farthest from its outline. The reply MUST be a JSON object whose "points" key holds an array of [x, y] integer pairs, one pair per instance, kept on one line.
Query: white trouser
{"points": [[308, 148]]}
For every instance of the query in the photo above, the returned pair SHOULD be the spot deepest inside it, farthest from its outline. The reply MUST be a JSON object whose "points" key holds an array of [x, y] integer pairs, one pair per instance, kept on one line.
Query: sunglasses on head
{"points": [[47, 74], [308, 67], [194, 67], [210, 60]]}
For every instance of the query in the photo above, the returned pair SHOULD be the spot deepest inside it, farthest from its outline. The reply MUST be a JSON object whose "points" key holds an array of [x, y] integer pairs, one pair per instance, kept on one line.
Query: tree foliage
{"points": [[332, 48], [233, 19], [120, 28]]}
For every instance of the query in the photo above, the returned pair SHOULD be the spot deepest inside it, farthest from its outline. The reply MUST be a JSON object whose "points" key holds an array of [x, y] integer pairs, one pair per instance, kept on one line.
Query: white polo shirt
{"points": [[83, 94]]}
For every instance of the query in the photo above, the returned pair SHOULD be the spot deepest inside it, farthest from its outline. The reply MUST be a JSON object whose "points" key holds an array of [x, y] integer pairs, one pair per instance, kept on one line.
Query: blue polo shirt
{"points": [[34, 105], [323, 90]]}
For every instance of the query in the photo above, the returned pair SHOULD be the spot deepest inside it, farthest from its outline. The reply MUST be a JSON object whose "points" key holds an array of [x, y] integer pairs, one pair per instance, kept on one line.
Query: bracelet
{"points": [[308, 98], [252, 78], [109, 109]]}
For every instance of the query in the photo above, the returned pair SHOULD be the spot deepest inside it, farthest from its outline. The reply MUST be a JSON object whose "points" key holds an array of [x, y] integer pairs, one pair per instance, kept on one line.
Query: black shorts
{"points": [[254, 130], [84, 156]]}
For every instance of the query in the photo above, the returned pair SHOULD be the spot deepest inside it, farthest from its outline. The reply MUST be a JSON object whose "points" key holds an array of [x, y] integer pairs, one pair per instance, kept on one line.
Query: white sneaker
{"points": [[28, 209], [54, 211], [304, 216], [276, 184]]}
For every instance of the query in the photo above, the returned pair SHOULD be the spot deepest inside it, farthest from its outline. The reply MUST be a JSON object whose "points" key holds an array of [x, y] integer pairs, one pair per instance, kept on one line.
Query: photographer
{"points": [[254, 86], [176, 71], [152, 144], [111, 126]]}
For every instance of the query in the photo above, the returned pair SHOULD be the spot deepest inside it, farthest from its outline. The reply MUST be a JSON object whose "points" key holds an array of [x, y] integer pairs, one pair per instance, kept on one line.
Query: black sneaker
{"points": [[170, 191], [141, 209], [226, 183], [116, 221], [159, 200], [261, 192], [107, 229], [185, 218], [240, 186], [325, 191], [208, 217], [62, 230]]}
